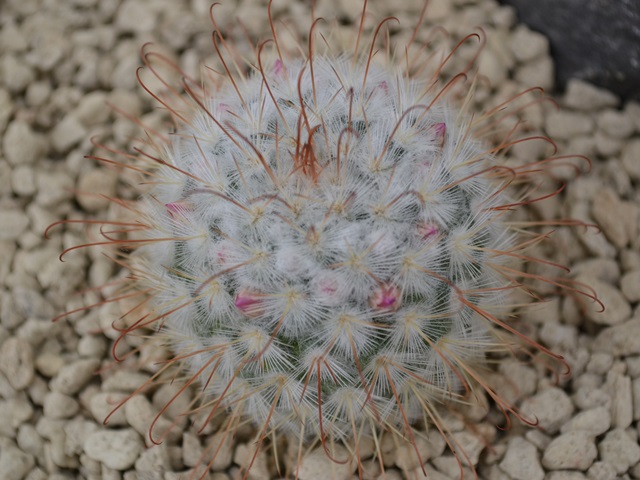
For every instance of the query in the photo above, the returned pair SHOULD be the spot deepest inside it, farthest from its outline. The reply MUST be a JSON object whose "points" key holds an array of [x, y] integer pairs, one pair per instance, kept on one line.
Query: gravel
{"points": [[62, 63]]}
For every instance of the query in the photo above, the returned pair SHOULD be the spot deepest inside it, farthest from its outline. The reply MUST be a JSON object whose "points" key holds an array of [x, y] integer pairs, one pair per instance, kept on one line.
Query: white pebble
{"points": [[116, 449], [135, 17], [16, 362], [23, 181], [605, 269], [527, 45], [124, 381], [54, 187], [565, 475], [318, 465], [491, 66], [6, 108], [244, 455], [606, 145], [619, 450], [57, 405], [630, 285], [601, 471], [620, 340], [94, 186], [21, 144], [14, 464], [551, 407], [630, 156], [13, 413], [73, 377], [570, 451], [586, 398], [407, 458], [564, 124], [49, 364], [581, 95], [92, 109], [76, 432], [537, 73], [14, 224], [67, 133], [16, 74], [615, 123], [153, 460], [103, 404], [621, 401], [29, 441], [606, 209], [635, 391], [616, 306], [521, 461], [140, 414], [191, 450], [593, 422]]}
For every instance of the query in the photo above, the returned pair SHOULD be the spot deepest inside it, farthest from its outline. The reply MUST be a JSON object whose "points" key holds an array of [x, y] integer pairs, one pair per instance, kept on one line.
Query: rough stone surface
{"points": [[616, 307], [21, 145], [317, 465], [74, 376], [14, 223], [551, 407], [14, 464], [581, 41], [570, 451], [521, 461], [619, 450], [593, 422], [116, 449], [16, 362], [581, 95], [620, 339]]}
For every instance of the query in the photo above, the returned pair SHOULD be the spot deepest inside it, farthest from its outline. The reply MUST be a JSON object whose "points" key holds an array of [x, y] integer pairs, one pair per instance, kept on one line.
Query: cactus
{"points": [[327, 243]]}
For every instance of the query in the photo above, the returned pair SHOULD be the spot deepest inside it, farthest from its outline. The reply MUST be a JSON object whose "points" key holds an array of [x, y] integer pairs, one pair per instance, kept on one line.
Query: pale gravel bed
{"points": [[61, 61]]}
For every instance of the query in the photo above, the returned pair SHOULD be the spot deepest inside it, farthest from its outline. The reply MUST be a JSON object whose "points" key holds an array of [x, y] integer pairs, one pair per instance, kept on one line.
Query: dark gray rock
{"points": [[594, 40]]}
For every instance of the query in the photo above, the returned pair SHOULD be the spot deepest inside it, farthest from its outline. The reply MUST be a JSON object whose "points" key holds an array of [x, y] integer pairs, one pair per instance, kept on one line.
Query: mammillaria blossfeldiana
{"points": [[325, 243]]}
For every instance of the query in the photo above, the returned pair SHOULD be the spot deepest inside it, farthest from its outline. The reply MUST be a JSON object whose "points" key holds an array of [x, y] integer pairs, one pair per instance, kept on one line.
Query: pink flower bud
{"points": [[177, 209], [278, 68], [248, 302], [385, 297], [428, 231], [440, 132]]}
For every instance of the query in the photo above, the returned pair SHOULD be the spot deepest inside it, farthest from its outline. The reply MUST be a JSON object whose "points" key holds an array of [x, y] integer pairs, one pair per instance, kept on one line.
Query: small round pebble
{"points": [[619, 450], [58, 405], [601, 471], [521, 461], [570, 451], [14, 224], [616, 307], [317, 465], [581, 95], [71, 378], [593, 422], [116, 449], [551, 407], [16, 362], [14, 464]]}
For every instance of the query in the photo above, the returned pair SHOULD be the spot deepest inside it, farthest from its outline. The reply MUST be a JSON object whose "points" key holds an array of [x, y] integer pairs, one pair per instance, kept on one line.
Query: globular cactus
{"points": [[330, 247], [327, 243]]}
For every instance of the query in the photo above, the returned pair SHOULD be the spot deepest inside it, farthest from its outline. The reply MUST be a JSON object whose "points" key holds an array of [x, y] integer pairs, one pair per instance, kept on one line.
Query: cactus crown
{"points": [[330, 227]]}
